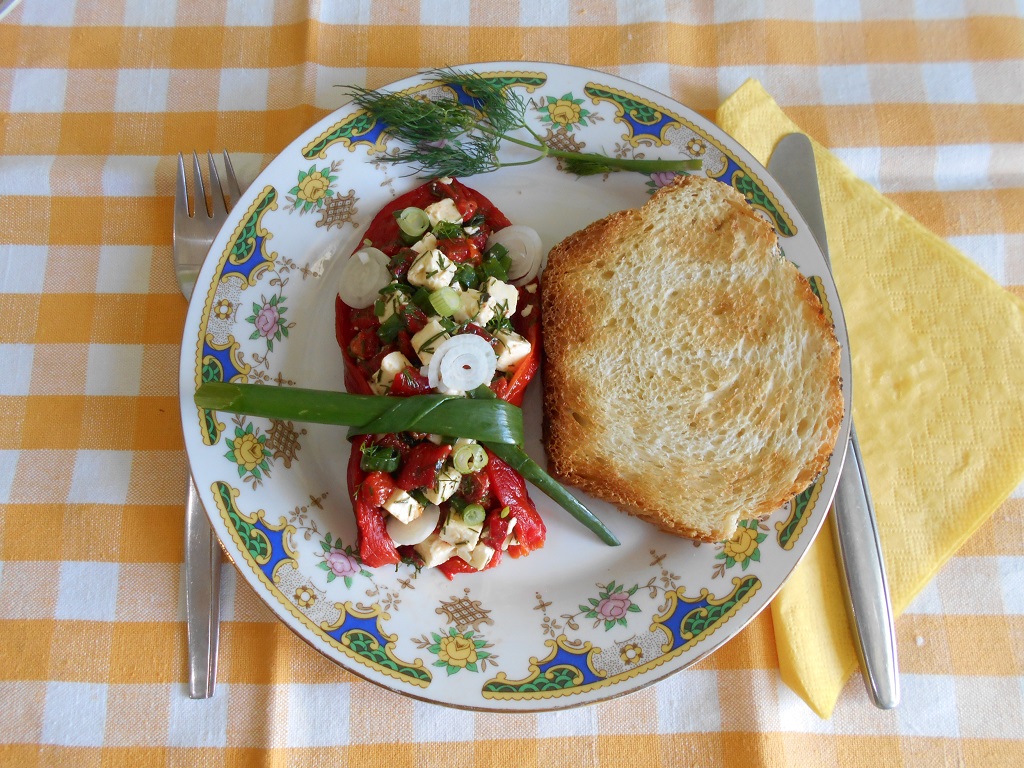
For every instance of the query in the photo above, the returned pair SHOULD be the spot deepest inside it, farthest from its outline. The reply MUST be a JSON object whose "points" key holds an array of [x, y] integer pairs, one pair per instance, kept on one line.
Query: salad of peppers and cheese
{"points": [[441, 297]]}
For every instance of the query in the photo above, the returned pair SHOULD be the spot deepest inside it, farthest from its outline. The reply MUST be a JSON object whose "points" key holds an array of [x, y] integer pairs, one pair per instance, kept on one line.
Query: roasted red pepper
{"points": [[422, 465], [510, 488], [410, 382], [375, 546]]}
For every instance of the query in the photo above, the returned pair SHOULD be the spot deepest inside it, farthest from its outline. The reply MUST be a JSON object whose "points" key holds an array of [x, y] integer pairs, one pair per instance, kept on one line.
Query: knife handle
{"points": [[859, 552]]}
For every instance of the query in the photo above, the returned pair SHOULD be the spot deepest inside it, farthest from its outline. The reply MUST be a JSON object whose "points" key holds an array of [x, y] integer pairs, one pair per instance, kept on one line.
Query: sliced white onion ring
{"points": [[524, 248], [416, 531], [362, 277], [460, 364]]}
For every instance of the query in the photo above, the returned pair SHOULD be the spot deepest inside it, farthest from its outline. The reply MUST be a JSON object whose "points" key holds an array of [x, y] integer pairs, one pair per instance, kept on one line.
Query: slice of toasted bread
{"points": [[690, 376]]}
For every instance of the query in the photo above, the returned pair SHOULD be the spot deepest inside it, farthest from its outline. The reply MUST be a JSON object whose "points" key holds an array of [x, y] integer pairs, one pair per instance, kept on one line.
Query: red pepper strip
{"points": [[510, 488], [409, 382], [422, 465], [355, 380], [455, 565], [375, 546]]}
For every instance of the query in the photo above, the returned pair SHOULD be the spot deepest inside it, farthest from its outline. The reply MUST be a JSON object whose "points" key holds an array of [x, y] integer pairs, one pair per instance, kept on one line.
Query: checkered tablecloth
{"points": [[923, 99]]}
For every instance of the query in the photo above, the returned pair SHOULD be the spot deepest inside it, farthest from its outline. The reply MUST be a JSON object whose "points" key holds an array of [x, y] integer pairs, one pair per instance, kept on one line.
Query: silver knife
{"points": [[858, 548]]}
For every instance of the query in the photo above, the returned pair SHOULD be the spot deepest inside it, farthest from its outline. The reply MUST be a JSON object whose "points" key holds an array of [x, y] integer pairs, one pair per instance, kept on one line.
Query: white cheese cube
{"points": [[510, 537], [392, 365], [469, 308], [426, 243], [403, 506], [443, 210], [431, 270], [394, 302], [511, 349], [501, 296], [428, 339], [478, 557], [448, 480], [434, 551], [457, 533]]}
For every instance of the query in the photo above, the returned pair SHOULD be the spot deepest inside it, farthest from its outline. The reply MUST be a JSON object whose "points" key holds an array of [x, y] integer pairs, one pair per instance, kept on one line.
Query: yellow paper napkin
{"points": [[938, 399]]}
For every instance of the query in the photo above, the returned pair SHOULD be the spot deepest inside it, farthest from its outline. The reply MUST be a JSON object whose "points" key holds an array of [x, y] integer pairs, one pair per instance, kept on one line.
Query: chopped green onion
{"points": [[412, 221], [378, 308], [458, 503], [499, 252], [469, 458], [474, 514], [492, 267], [389, 329], [445, 301], [478, 220], [505, 512], [448, 230], [422, 300], [466, 276], [378, 458]]}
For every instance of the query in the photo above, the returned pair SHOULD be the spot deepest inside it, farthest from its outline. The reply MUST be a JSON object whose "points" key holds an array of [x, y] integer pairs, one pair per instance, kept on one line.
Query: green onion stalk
{"points": [[483, 417], [449, 138]]}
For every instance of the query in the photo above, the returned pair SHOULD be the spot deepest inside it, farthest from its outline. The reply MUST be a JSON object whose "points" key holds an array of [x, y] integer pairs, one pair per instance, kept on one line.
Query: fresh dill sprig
{"points": [[449, 138]]}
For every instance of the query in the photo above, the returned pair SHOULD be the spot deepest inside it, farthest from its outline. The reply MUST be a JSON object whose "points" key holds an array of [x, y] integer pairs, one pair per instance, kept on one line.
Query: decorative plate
{"points": [[574, 623]]}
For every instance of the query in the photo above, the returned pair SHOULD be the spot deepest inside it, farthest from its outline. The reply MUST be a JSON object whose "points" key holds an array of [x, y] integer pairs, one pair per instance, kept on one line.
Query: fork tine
{"points": [[234, 190], [197, 183], [217, 199], [181, 194]]}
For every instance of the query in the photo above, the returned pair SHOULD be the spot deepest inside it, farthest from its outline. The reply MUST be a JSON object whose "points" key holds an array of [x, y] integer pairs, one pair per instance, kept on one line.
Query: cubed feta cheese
{"points": [[457, 533], [426, 243], [427, 340], [478, 557], [431, 270], [434, 551], [443, 210], [448, 480], [511, 349], [510, 537], [403, 506], [390, 366], [501, 295], [469, 307], [394, 302]]}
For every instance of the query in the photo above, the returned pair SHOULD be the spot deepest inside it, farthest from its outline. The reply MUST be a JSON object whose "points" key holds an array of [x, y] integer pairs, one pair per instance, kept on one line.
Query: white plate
{"points": [[574, 623]]}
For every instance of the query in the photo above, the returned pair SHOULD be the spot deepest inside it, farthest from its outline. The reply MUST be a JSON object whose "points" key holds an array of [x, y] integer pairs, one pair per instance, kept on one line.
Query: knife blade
{"points": [[857, 544]]}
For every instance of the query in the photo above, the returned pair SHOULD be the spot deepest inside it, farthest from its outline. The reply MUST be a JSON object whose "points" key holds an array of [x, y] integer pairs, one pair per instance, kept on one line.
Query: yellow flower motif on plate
{"points": [[222, 309], [566, 112], [305, 596], [313, 187], [457, 651], [631, 653], [696, 147], [248, 451], [744, 546]]}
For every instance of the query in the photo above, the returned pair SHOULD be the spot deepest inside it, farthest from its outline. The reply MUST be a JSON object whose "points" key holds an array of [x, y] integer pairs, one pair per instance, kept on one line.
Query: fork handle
{"points": [[202, 597]]}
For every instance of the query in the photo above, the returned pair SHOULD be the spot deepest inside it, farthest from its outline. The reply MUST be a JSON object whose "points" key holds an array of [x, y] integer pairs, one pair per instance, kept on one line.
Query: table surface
{"points": [[923, 99]]}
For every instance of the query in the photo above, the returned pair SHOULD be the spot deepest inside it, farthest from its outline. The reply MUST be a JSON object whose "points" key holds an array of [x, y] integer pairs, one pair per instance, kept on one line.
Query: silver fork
{"points": [[193, 236]]}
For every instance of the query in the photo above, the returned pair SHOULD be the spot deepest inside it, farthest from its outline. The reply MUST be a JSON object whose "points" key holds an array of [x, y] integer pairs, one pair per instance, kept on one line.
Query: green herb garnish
{"points": [[448, 138]]}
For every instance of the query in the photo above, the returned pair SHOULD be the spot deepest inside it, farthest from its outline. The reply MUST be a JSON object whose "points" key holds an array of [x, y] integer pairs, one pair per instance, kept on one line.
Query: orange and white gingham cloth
{"points": [[922, 99]]}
